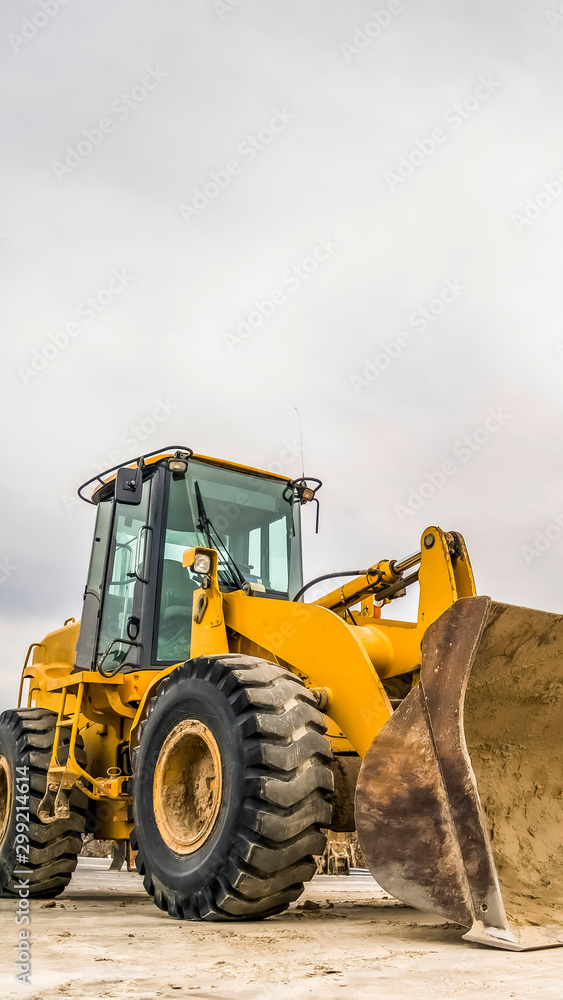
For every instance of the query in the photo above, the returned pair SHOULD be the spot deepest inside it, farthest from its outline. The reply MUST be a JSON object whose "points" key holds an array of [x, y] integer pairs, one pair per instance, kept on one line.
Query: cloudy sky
{"points": [[216, 212]]}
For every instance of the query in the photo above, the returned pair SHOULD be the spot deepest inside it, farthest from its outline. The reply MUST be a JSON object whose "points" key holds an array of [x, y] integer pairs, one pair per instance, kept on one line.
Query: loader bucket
{"points": [[459, 802]]}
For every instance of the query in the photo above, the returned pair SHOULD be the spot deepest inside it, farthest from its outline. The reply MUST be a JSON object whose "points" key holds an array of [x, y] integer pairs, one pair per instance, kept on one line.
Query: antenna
{"points": [[301, 442], [300, 489]]}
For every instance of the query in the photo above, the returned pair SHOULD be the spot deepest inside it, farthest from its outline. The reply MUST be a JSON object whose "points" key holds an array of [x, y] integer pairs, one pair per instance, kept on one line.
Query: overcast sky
{"points": [[215, 212]]}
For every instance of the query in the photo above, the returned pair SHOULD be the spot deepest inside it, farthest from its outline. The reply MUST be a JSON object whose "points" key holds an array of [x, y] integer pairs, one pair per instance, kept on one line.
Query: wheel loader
{"points": [[208, 713]]}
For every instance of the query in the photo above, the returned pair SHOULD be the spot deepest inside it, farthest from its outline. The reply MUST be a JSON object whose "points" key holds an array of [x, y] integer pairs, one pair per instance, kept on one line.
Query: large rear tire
{"points": [[48, 850], [230, 789]]}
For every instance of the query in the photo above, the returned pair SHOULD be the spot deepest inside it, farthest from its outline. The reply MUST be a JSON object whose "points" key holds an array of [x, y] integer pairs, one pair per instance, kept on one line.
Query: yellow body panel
{"points": [[209, 634], [323, 650]]}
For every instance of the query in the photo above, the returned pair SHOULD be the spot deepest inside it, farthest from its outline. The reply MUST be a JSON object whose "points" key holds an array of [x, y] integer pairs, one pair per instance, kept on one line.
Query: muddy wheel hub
{"points": [[187, 786]]}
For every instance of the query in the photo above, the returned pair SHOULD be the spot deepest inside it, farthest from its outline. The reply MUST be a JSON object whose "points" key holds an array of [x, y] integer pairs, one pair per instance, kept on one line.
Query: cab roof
{"points": [[104, 479]]}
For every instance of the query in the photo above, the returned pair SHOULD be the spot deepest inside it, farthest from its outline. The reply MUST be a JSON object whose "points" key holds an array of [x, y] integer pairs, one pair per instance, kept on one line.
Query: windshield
{"points": [[248, 519]]}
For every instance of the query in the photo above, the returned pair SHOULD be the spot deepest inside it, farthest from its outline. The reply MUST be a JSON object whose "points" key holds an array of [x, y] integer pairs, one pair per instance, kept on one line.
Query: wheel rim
{"points": [[5, 796], [187, 786]]}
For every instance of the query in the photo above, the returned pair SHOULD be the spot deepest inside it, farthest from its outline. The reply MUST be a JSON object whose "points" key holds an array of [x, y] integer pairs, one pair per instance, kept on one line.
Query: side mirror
{"points": [[129, 486]]}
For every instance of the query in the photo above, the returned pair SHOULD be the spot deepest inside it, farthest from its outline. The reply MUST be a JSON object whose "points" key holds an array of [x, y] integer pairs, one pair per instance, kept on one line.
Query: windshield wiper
{"points": [[237, 580]]}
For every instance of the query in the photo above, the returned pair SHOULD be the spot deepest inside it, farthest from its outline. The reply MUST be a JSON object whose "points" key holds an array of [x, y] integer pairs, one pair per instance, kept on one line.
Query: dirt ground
{"points": [[106, 938]]}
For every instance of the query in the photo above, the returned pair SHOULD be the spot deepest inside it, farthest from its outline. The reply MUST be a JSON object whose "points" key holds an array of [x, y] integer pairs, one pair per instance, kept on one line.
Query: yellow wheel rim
{"points": [[187, 786], [5, 796]]}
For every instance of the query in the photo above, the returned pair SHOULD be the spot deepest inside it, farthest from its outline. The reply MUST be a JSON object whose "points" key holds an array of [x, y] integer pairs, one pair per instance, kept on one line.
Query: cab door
{"points": [[127, 574], [93, 592]]}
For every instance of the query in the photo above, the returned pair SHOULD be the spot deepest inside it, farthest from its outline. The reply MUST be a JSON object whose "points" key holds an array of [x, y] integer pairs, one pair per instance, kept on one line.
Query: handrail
{"points": [[27, 655]]}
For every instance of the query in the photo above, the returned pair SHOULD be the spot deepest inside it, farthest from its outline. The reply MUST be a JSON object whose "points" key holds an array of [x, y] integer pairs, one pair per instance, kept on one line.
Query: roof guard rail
{"points": [[100, 478]]}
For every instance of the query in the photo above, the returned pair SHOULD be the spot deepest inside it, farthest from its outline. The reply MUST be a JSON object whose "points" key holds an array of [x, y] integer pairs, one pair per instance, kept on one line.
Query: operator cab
{"points": [[138, 599]]}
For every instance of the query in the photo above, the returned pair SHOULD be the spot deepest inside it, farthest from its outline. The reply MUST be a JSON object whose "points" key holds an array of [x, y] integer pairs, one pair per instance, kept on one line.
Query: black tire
{"points": [[274, 800], [26, 741]]}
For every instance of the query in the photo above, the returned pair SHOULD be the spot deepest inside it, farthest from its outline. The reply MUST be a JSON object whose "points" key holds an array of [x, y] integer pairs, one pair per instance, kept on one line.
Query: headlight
{"points": [[202, 564], [177, 465]]}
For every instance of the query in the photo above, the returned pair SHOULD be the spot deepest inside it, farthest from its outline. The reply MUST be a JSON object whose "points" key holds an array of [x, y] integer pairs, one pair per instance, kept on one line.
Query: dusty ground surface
{"points": [[106, 938]]}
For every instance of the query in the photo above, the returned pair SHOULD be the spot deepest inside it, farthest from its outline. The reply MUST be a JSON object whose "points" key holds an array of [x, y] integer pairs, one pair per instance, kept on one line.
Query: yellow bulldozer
{"points": [[204, 712]]}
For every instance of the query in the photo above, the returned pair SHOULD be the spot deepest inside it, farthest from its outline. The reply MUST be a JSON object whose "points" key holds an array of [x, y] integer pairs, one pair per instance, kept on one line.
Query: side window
{"points": [[174, 619], [94, 585], [127, 558], [99, 548], [255, 555], [278, 567]]}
